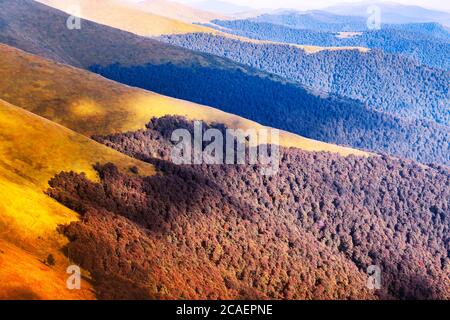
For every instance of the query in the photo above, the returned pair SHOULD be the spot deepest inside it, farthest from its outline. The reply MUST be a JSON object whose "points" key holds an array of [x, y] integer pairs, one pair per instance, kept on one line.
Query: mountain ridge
{"points": [[93, 105]]}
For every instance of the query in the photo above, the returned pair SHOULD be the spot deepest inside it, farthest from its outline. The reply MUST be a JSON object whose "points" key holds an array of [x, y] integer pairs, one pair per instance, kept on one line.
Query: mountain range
{"points": [[88, 180], [392, 12]]}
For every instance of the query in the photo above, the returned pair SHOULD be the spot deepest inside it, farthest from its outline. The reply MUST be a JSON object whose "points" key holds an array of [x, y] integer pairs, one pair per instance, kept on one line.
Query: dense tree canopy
{"points": [[225, 231], [413, 41]]}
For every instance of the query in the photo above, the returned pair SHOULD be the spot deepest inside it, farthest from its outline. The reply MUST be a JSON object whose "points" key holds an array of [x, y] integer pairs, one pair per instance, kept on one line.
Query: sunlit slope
{"points": [[177, 11], [25, 277], [32, 151], [125, 16], [92, 105]]}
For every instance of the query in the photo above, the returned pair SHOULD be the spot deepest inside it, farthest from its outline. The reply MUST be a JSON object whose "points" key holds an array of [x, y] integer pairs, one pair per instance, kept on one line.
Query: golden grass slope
{"points": [[32, 151], [125, 16], [178, 11], [310, 49], [307, 48], [92, 105]]}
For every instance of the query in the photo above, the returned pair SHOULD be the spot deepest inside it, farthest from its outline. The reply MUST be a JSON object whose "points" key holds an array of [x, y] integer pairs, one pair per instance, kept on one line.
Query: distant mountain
{"points": [[328, 22], [221, 7], [392, 12]]}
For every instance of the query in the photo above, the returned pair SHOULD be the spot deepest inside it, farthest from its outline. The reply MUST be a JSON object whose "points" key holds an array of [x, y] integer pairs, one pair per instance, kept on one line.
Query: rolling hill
{"points": [[86, 175], [318, 116], [43, 31], [309, 231], [88, 104], [33, 150], [165, 17]]}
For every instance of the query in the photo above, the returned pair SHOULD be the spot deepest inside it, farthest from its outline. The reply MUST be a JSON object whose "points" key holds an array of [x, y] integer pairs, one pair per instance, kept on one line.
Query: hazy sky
{"points": [[317, 4]]}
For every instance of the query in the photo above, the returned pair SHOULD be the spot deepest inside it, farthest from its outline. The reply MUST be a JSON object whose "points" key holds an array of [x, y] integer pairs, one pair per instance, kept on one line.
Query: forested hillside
{"points": [[309, 232], [428, 50], [328, 22], [385, 82], [314, 20]]}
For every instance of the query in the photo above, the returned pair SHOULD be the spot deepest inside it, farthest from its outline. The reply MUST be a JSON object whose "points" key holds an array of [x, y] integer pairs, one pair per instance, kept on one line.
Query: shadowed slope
{"points": [[410, 90]]}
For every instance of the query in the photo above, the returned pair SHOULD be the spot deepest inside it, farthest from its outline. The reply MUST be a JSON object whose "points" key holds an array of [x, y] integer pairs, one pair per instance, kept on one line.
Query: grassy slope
{"points": [[307, 48], [177, 11], [90, 104], [127, 17], [33, 150]]}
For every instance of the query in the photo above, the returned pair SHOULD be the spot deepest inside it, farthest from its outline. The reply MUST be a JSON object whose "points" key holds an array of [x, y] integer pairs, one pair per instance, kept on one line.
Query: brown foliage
{"points": [[309, 232]]}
